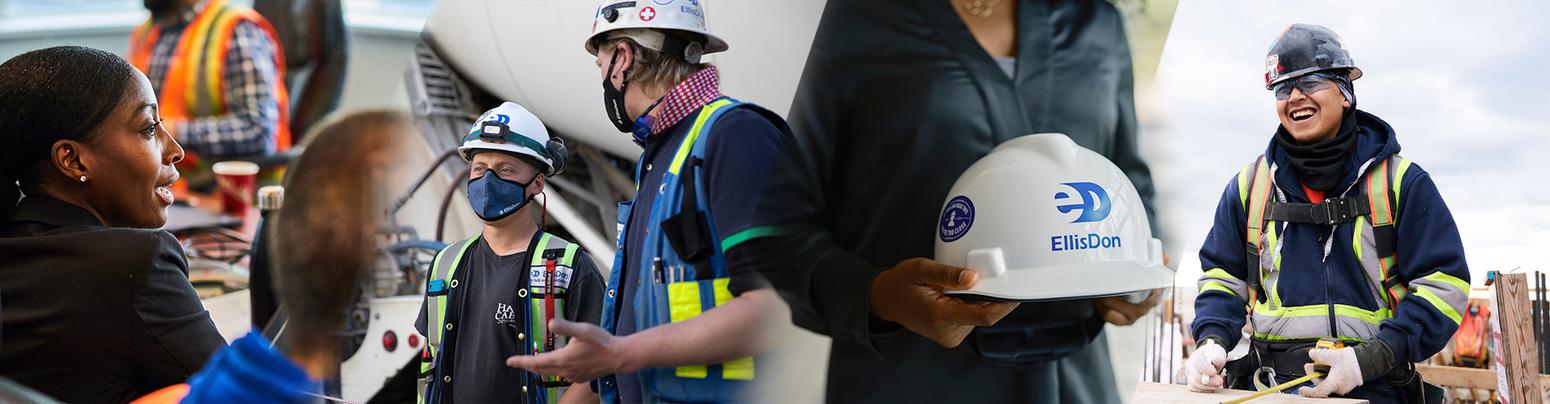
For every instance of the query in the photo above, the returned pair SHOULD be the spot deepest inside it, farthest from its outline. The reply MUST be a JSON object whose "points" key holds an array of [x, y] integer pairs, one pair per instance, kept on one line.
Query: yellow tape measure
{"points": [[1319, 370]]}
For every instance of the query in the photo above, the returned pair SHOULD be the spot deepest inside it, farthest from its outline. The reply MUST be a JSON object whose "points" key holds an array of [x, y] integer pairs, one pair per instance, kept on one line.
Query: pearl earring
{"points": [[83, 178]]}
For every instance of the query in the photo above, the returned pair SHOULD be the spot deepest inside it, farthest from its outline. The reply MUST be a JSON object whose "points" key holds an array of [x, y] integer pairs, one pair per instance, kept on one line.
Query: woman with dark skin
{"points": [[95, 302]]}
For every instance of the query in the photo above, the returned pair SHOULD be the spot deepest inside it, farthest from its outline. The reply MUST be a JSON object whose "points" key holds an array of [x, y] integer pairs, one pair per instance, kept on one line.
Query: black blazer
{"points": [[92, 313]]}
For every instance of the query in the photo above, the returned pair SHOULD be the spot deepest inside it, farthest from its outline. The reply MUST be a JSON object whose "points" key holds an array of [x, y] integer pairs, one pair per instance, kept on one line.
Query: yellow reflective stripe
{"points": [[216, 46], [1356, 237], [1441, 305], [538, 251], [1378, 195], [694, 134], [1243, 186], [1399, 174], [1319, 310], [1257, 202], [740, 368], [1220, 274], [1269, 337], [1214, 285], [570, 255], [1451, 280], [683, 303]]}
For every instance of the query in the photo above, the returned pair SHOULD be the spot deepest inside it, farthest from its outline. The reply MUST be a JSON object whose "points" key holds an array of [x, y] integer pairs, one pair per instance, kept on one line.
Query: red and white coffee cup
{"points": [[235, 182]]}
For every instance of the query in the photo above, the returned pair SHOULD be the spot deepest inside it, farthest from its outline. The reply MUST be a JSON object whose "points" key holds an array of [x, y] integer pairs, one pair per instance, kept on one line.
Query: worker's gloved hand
{"points": [[1119, 310], [591, 353], [911, 294], [1204, 368], [1348, 368]]}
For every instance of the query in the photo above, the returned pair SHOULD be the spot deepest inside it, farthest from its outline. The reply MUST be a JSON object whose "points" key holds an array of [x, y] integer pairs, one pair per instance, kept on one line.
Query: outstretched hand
{"points": [[591, 353]]}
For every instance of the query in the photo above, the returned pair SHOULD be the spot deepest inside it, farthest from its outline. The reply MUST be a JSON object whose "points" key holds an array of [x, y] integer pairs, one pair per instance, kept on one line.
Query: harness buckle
{"points": [[1335, 211]]}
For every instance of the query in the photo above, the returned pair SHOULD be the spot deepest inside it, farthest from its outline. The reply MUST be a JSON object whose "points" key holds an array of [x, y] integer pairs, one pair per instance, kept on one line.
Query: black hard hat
{"points": [[1303, 49]]}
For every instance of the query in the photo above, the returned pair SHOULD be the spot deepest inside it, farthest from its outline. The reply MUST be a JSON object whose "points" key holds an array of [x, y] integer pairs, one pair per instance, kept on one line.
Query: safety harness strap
{"points": [[1330, 212], [1254, 179]]}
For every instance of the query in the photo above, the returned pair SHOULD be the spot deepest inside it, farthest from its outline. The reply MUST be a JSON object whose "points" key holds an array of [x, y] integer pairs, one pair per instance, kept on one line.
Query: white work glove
{"points": [[1204, 368], [1345, 373]]}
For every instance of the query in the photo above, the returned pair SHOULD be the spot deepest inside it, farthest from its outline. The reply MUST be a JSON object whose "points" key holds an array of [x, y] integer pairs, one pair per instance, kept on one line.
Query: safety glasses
{"points": [[1309, 84]]}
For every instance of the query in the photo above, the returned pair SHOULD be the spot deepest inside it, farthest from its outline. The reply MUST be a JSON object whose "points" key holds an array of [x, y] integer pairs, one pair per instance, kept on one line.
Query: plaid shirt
{"points": [[247, 128], [688, 96]]}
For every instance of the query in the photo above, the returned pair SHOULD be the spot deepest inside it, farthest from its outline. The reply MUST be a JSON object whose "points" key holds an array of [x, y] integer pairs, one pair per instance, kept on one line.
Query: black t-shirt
{"points": [[739, 156], [487, 315]]}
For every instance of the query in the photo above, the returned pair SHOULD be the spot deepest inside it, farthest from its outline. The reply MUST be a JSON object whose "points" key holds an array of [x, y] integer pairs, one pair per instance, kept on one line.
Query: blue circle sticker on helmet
{"points": [[956, 218]]}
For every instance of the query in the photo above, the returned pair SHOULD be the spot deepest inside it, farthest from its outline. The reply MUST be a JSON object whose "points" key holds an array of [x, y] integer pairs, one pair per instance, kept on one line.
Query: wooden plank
{"points": [[1148, 392], [1468, 378], [1516, 352]]}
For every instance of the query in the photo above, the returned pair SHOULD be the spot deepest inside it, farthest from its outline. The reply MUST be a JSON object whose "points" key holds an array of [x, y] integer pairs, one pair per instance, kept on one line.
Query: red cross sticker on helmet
{"points": [[648, 14]]}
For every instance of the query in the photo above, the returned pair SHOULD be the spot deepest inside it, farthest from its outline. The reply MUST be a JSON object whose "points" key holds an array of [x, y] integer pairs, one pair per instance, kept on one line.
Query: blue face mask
{"points": [[493, 198]]}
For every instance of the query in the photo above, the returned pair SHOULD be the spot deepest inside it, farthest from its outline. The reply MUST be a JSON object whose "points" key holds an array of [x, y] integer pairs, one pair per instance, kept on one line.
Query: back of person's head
{"points": [[324, 238], [49, 95]]}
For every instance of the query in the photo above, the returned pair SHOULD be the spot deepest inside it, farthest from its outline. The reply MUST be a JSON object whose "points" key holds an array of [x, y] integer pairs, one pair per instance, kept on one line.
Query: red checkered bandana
{"points": [[699, 89]]}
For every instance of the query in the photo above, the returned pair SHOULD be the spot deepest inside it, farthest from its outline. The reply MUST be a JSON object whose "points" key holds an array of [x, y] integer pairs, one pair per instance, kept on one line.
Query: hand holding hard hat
{"points": [[913, 294], [1040, 218]]}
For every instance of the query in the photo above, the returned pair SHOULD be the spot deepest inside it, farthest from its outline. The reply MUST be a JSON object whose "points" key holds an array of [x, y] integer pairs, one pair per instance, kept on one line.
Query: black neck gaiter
{"points": [[1321, 165]]}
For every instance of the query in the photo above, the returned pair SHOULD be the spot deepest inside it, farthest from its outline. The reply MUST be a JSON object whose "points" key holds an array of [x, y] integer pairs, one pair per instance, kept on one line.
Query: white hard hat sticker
{"points": [[956, 219]]}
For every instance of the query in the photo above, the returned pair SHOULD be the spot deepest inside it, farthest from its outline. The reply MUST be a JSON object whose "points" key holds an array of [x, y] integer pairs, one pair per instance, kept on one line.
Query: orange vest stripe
{"points": [[194, 82]]}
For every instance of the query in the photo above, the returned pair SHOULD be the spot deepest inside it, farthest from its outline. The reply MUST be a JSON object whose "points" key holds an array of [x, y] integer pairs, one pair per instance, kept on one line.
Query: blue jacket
{"points": [[251, 371], [1430, 258]]}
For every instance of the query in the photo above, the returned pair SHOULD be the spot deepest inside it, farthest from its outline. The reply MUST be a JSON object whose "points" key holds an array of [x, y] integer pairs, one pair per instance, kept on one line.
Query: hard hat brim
{"points": [[1072, 281], [469, 149], [713, 43], [1355, 73]]}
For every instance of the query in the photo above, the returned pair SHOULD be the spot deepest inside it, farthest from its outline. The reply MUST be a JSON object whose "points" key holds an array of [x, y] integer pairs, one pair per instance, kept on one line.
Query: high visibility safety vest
{"points": [[679, 279], [194, 84], [549, 276], [1372, 205]]}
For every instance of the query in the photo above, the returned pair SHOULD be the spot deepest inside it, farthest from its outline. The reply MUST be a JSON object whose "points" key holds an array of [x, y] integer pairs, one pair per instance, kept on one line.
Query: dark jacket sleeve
{"points": [[586, 291], [1220, 308], [740, 163], [827, 286], [1430, 261], [177, 333]]}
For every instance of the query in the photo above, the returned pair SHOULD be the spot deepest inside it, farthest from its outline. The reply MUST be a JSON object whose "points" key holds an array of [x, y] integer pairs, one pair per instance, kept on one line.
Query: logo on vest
{"points": [[505, 314], [956, 219], [1095, 202], [538, 276]]}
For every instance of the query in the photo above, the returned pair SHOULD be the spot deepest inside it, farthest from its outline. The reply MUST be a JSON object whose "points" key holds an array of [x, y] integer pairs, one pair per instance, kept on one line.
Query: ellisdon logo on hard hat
{"points": [[957, 216], [1095, 202], [1095, 207]]}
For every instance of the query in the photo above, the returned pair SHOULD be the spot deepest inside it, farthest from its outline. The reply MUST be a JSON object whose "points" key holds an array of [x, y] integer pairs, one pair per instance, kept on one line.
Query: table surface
{"points": [[1148, 392]]}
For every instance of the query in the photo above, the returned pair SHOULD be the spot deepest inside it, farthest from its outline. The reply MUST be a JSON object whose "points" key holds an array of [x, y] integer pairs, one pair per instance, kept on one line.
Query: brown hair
{"points": [[652, 68], [324, 237]]}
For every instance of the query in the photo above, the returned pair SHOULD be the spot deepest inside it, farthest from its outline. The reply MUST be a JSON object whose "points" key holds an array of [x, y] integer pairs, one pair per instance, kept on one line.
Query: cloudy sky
{"points": [[1464, 87]]}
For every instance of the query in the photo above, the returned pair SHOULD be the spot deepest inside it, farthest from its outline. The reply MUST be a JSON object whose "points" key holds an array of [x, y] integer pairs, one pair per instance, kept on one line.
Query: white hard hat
{"points": [[1041, 218], [646, 21], [511, 128]]}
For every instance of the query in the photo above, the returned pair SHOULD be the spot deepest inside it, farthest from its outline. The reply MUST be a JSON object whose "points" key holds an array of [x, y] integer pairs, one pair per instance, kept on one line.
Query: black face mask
{"points": [[1321, 165], [613, 99]]}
